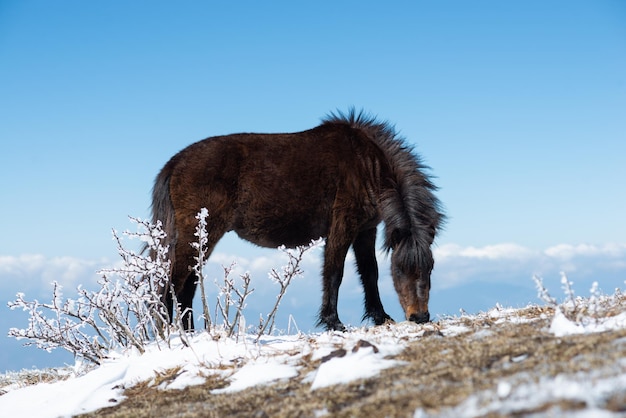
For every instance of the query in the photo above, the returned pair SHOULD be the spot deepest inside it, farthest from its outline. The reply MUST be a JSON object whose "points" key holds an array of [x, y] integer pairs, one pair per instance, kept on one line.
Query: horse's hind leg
{"points": [[184, 282], [183, 276], [365, 253]]}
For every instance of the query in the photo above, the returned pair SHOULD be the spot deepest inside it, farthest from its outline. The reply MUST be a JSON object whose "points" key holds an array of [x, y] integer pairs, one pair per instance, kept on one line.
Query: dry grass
{"points": [[32, 377], [438, 373]]}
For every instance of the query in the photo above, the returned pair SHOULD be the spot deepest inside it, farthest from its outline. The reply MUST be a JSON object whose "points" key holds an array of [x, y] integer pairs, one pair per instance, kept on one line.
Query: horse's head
{"points": [[411, 278]]}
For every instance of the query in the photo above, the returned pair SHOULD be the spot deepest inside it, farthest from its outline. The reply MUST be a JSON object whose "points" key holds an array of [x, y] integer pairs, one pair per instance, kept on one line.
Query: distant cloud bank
{"points": [[518, 252], [35, 271], [455, 265], [567, 251]]}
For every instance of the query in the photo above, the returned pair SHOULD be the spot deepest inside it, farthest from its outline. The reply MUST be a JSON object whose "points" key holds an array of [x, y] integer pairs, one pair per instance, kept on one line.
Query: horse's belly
{"points": [[289, 234]]}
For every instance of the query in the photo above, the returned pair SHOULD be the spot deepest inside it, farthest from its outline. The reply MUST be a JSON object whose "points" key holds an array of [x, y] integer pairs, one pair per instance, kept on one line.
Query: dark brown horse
{"points": [[337, 181]]}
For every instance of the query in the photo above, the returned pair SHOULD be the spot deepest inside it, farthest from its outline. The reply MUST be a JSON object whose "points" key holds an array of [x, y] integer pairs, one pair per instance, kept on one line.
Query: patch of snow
{"points": [[363, 363], [69, 397], [504, 389], [454, 330], [183, 380], [258, 373], [562, 326]]}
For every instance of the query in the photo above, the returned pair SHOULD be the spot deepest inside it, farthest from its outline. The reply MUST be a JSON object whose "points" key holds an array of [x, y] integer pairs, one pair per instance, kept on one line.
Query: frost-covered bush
{"points": [[283, 278], [582, 310], [127, 312], [231, 299], [232, 293]]}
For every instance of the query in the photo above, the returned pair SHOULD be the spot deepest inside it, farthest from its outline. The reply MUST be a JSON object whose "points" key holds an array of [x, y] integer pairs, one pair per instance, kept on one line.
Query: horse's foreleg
{"points": [[365, 253]]}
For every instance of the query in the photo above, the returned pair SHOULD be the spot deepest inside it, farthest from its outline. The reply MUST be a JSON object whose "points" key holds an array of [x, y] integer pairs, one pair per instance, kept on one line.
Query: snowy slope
{"points": [[361, 353]]}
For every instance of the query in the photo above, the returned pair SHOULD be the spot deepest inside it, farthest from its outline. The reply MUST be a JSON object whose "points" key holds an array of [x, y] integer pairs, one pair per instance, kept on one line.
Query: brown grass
{"points": [[32, 377]]}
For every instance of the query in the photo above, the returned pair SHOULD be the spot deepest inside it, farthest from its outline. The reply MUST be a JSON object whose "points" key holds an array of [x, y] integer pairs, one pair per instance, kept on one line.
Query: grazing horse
{"points": [[338, 180]]}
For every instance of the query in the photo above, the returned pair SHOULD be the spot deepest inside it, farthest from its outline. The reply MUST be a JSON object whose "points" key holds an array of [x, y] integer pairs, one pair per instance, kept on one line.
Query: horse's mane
{"points": [[410, 210]]}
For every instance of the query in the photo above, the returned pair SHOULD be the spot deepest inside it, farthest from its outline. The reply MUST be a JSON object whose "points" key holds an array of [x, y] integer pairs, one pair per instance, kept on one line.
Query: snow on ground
{"points": [[562, 326], [242, 361], [347, 356]]}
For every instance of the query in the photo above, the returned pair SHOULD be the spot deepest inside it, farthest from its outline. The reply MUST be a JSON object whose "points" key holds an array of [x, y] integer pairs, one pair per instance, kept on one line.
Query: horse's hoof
{"points": [[331, 323], [420, 318], [336, 326], [339, 327], [389, 321], [382, 320]]}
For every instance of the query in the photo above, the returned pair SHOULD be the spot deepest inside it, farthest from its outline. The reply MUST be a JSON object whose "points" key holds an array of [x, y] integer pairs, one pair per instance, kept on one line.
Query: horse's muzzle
{"points": [[420, 317]]}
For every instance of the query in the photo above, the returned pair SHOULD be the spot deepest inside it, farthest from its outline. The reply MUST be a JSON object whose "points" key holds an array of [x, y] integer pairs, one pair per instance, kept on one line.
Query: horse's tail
{"points": [[163, 209], [163, 212]]}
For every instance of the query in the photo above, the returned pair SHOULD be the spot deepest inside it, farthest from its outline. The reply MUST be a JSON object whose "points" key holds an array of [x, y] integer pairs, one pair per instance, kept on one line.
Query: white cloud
{"points": [[29, 272], [507, 251], [23, 264], [568, 252]]}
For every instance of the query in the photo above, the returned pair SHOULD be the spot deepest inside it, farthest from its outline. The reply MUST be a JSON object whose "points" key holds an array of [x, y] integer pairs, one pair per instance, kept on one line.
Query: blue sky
{"points": [[518, 107]]}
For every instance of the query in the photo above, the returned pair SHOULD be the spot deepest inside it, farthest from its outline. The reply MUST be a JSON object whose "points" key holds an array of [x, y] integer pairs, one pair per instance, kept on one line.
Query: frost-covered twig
{"points": [[284, 278], [240, 303], [595, 300], [566, 285], [178, 319], [200, 247], [581, 310], [61, 330], [230, 296], [543, 293]]}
